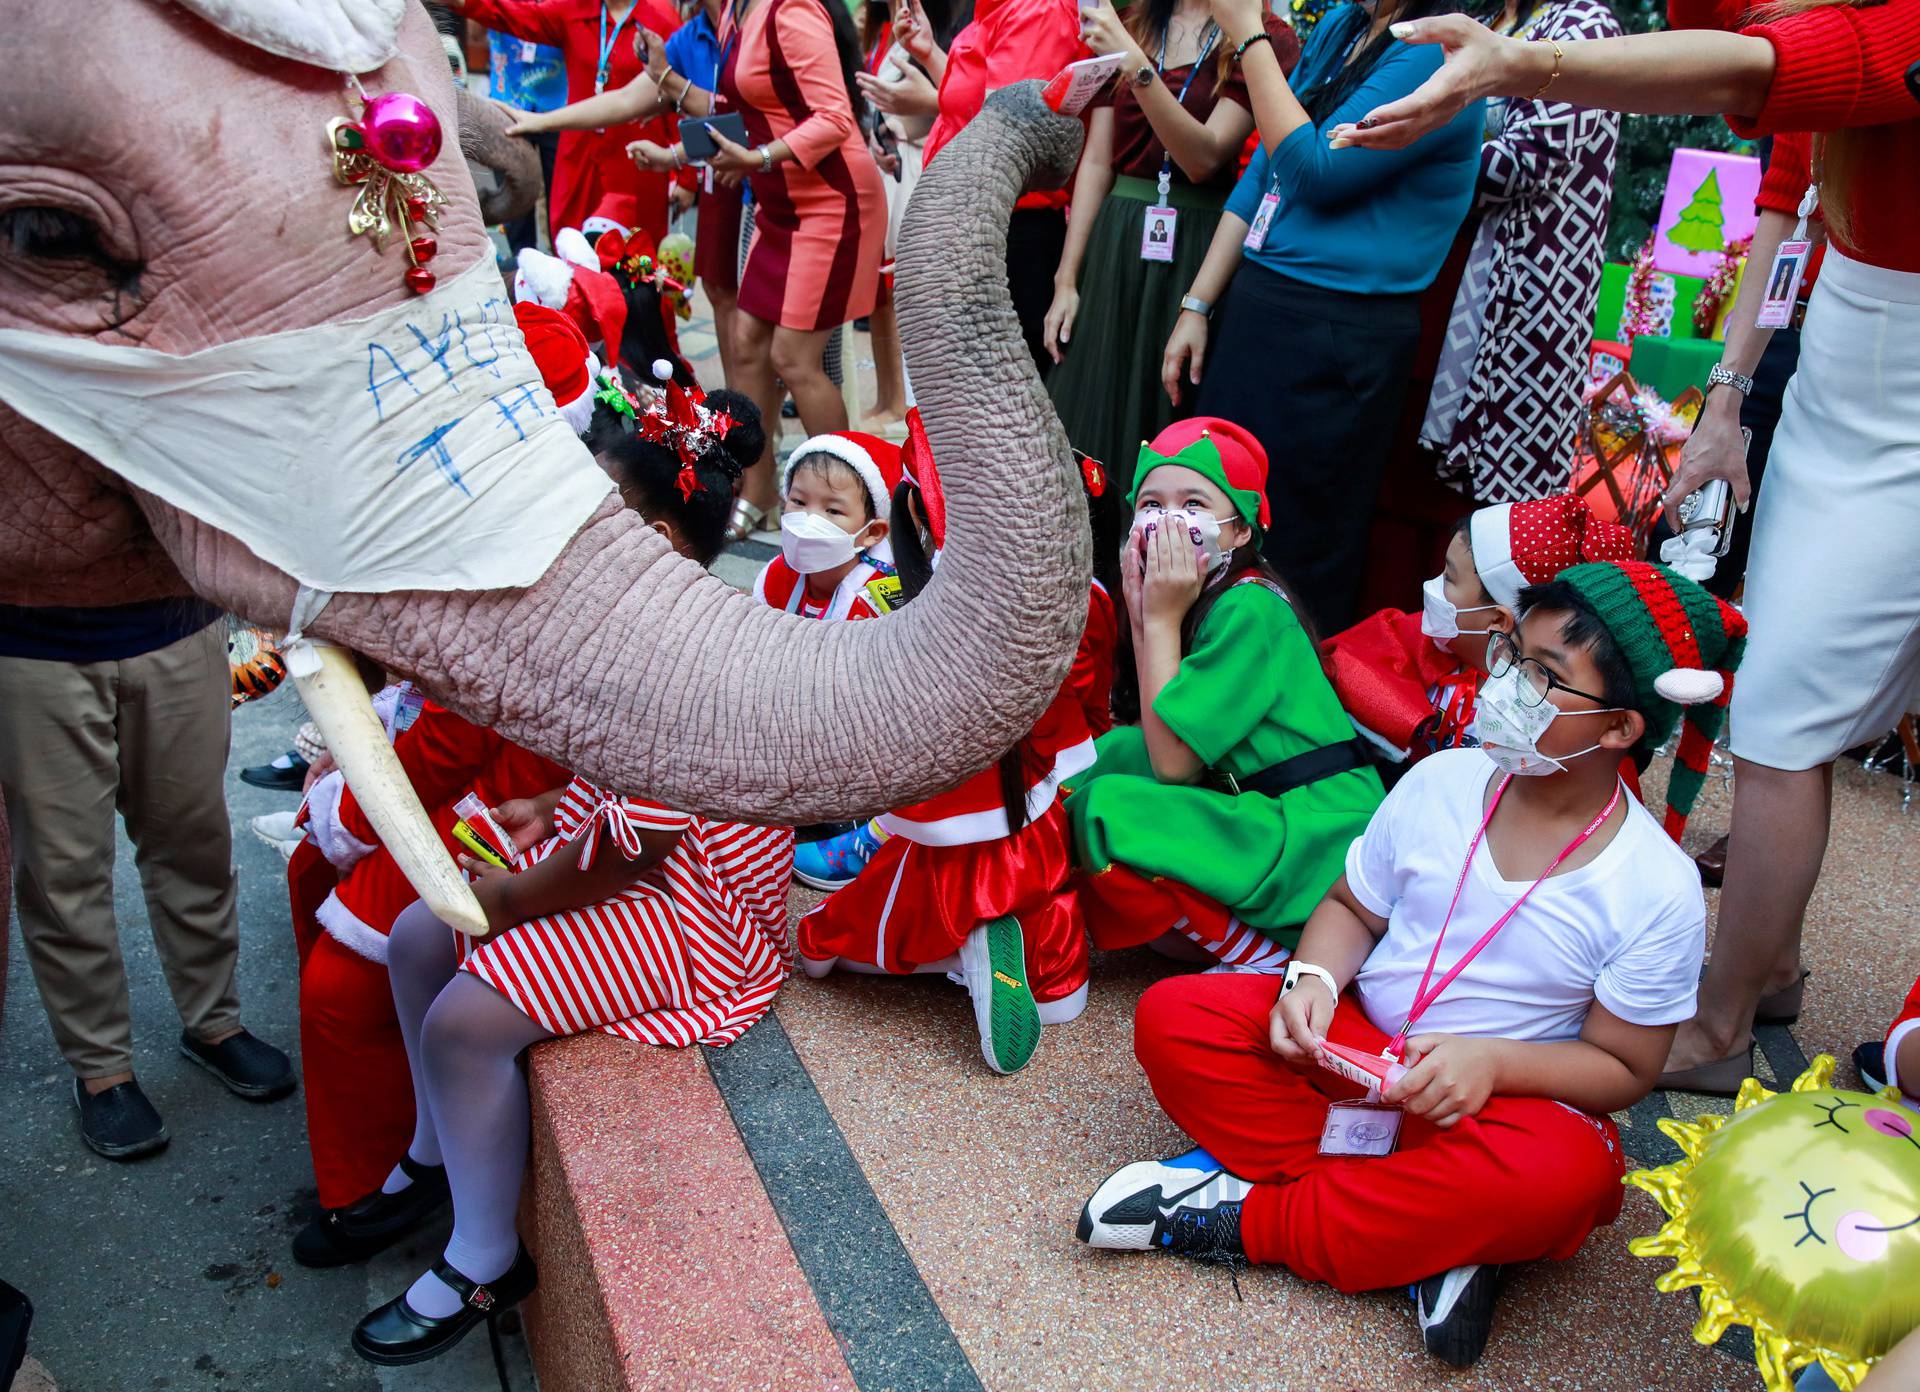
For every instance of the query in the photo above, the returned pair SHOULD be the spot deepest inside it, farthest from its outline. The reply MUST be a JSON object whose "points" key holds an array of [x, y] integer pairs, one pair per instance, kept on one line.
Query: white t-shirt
{"points": [[1627, 929]]}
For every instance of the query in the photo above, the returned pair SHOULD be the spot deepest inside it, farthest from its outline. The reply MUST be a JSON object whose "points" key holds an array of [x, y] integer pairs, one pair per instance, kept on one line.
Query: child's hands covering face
{"points": [[1298, 1025], [1175, 572], [1133, 583], [1449, 1076]]}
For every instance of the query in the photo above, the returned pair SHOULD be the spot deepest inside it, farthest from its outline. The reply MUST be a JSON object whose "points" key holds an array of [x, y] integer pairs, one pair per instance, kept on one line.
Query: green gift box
{"points": [[1671, 365], [1670, 297]]}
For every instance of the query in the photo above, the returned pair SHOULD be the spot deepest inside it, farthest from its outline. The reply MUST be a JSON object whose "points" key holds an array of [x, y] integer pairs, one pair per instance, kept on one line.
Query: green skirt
{"points": [[1107, 386]]}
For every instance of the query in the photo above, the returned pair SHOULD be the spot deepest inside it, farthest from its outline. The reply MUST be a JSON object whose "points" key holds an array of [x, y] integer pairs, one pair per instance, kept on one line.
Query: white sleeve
{"points": [[760, 583], [1372, 865], [1655, 976]]}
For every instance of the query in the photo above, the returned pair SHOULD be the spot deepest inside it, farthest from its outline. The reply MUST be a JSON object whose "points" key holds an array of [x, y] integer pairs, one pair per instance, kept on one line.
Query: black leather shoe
{"points": [[396, 1334], [340, 1236], [119, 1123], [249, 1067], [275, 779]]}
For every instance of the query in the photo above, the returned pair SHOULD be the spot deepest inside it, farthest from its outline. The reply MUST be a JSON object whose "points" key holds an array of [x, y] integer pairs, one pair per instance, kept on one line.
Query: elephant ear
{"points": [[342, 35]]}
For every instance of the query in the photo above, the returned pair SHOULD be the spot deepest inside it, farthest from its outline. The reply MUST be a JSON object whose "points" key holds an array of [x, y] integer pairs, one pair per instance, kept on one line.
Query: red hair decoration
{"points": [[1093, 474], [680, 420]]}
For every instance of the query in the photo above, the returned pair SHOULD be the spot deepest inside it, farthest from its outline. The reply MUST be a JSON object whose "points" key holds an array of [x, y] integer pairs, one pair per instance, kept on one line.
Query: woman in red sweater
{"points": [[1833, 596]]}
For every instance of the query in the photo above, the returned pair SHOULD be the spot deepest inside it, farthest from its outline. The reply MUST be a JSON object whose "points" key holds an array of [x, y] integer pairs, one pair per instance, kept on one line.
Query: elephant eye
{"points": [[61, 235]]}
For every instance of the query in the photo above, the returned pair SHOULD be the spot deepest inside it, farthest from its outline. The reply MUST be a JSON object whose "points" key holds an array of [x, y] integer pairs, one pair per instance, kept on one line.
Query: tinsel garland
{"points": [[1636, 310], [1713, 295]]}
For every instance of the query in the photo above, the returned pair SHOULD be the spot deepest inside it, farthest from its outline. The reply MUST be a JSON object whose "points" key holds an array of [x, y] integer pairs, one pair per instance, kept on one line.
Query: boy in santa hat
{"points": [[1408, 681], [567, 365], [1504, 960], [834, 562]]}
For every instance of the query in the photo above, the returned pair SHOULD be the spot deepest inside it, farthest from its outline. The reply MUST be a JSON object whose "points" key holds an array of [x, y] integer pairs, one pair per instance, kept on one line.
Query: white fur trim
{"points": [[341, 35], [966, 828], [578, 412], [853, 457], [342, 849], [351, 932], [596, 223], [541, 279], [1689, 686], [1895, 1038], [1490, 534], [570, 245]]}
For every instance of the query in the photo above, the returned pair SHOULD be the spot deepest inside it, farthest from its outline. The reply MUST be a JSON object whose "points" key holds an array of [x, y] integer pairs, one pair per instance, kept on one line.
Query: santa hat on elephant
{"points": [[574, 284], [567, 365]]}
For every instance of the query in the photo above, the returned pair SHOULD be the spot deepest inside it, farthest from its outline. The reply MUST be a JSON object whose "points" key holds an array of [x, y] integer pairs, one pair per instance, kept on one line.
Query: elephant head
{"points": [[187, 203]]}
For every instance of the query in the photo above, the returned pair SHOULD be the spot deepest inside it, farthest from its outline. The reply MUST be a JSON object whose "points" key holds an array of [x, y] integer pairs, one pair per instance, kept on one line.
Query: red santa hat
{"points": [[1528, 543], [566, 364], [615, 212], [872, 458], [917, 468], [579, 289]]}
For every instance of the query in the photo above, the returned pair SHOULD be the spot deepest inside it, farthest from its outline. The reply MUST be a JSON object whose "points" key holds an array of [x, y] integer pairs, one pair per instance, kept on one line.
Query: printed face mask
{"points": [[1194, 520], [1510, 729], [415, 449], [1440, 616], [812, 543]]}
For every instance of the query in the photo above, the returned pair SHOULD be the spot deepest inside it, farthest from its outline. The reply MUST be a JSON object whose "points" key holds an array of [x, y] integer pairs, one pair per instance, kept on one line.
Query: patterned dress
{"points": [[1506, 393], [690, 953], [820, 218]]}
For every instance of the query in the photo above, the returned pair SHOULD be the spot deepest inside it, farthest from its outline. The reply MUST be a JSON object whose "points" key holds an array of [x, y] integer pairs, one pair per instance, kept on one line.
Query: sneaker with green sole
{"points": [[994, 961]]}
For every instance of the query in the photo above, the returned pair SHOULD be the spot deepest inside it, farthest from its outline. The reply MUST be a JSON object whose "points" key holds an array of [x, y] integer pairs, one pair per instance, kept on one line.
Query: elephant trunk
{"points": [[641, 671]]}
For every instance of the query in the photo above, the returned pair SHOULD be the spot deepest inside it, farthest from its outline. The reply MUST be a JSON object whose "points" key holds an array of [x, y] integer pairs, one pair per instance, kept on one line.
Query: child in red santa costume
{"points": [[1409, 681], [973, 882], [837, 492]]}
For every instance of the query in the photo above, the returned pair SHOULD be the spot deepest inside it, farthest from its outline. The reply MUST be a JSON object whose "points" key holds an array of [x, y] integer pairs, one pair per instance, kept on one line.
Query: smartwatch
{"points": [[1197, 305], [1297, 969]]}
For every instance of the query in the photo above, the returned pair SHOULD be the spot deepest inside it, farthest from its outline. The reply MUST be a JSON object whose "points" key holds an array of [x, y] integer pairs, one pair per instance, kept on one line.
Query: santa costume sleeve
{"points": [[1382, 669], [441, 754], [1904, 1024], [1091, 677]]}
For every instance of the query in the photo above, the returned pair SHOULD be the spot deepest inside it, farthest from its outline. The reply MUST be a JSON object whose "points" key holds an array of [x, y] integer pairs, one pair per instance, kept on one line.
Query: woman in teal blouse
{"points": [[1303, 320]]}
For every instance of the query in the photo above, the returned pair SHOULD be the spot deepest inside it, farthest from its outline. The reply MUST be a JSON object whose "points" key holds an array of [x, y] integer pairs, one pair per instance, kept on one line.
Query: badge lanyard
{"points": [[606, 46], [1160, 226], [1160, 66], [1423, 998], [1789, 269]]}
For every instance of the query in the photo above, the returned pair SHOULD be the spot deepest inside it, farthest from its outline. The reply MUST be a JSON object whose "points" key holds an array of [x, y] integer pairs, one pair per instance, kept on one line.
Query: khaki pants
{"points": [[147, 737]]}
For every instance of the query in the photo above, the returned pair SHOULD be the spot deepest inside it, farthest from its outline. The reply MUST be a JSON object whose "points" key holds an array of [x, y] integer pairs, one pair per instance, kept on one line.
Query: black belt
{"points": [[1299, 771]]}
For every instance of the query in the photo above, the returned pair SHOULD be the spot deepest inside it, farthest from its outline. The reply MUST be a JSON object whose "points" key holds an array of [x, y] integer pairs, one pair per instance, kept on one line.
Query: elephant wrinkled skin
{"points": [[187, 202]]}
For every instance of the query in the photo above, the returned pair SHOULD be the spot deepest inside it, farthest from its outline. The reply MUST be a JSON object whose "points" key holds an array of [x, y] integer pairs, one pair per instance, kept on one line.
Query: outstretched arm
{"points": [[635, 101]]}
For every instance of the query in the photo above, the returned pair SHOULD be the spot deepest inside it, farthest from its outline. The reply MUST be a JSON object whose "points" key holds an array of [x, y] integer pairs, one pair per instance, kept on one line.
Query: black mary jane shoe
{"points": [[396, 1334], [341, 1236]]}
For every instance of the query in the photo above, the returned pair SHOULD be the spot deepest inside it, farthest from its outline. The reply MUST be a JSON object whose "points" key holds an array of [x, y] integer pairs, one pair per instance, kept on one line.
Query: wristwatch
{"points": [[1143, 76], [1197, 305], [766, 159], [1724, 376], [1297, 969]]}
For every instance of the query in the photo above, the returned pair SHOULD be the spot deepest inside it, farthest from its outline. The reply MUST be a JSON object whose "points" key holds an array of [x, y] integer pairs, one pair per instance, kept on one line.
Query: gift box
{"points": [[1671, 365], [1669, 303], [1709, 202], [1613, 298], [1605, 361]]}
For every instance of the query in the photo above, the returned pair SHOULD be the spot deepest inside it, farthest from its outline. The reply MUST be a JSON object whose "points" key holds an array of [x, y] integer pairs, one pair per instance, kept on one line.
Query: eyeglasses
{"points": [[1503, 655]]}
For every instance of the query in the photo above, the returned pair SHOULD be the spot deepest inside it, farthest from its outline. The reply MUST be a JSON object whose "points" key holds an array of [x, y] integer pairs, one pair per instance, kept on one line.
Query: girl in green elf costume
{"points": [[1225, 814]]}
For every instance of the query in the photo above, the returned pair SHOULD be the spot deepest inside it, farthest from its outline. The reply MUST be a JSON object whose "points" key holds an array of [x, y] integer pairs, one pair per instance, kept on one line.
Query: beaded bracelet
{"points": [[1239, 52]]}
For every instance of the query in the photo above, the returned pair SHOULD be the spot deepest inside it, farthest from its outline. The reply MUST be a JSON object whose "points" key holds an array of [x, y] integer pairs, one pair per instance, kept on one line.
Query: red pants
{"points": [[1124, 908], [358, 1089], [1525, 1179]]}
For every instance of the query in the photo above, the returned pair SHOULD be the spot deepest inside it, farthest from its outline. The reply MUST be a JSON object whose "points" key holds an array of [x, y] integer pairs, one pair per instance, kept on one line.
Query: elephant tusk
{"points": [[337, 699]]}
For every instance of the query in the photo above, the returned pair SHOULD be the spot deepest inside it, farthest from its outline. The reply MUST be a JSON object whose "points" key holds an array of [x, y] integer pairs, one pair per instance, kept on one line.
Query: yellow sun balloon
{"points": [[1798, 1216]]}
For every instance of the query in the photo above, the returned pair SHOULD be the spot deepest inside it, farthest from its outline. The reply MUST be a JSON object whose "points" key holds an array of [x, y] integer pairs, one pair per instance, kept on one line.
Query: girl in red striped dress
{"points": [[618, 915]]}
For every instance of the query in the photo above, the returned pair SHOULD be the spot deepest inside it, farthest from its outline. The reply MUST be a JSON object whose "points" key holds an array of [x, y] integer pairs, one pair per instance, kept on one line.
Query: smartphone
{"points": [[888, 142], [696, 133]]}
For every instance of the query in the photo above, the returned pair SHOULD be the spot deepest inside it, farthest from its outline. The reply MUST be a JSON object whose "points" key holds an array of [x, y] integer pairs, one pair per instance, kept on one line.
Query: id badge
{"points": [[706, 178], [1157, 233], [1784, 279], [1366, 1127], [1262, 220]]}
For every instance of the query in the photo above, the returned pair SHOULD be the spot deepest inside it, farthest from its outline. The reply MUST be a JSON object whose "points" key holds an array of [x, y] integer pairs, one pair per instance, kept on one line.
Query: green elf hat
{"points": [[1219, 450], [1682, 645]]}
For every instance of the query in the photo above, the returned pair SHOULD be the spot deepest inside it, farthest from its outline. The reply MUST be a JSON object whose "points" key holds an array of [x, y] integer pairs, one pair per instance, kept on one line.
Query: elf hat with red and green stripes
{"points": [[1682, 646]]}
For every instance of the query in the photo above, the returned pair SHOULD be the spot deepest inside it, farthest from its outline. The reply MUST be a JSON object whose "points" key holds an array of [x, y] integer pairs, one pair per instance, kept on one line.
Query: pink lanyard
{"points": [[1422, 998]]}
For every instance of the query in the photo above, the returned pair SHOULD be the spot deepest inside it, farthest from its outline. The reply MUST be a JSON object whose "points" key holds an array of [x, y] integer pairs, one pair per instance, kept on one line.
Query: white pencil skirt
{"points": [[1833, 583]]}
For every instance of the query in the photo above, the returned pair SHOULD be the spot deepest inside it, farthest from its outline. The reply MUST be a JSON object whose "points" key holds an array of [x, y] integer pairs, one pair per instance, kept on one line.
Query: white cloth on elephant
{"points": [[345, 35], [415, 449]]}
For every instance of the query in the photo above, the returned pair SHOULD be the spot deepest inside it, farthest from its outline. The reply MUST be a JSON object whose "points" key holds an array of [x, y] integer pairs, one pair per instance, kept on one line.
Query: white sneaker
{"points": [[1187, 1204], [278, 831]]}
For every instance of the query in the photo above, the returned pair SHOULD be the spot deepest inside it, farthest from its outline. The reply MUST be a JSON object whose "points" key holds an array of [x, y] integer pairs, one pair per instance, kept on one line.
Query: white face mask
{"points": [[812, 543], [415, 449], [1440, 616], [1194, 520], [1510, 729]]}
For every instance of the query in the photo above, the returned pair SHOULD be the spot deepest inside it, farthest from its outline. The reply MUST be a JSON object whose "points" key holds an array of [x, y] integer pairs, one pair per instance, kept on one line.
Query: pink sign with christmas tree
{"points": [[1709, 203]]}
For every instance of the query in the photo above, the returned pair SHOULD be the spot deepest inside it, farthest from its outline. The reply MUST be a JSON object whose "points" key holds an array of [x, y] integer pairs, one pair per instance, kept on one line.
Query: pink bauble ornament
{"points": [[402, 132]]}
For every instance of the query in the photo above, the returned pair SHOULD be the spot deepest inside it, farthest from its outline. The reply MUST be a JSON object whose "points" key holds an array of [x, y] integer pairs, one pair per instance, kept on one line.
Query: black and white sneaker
{"points": [[1870, 1062], [1455, 1310], [1188, 1205]]}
